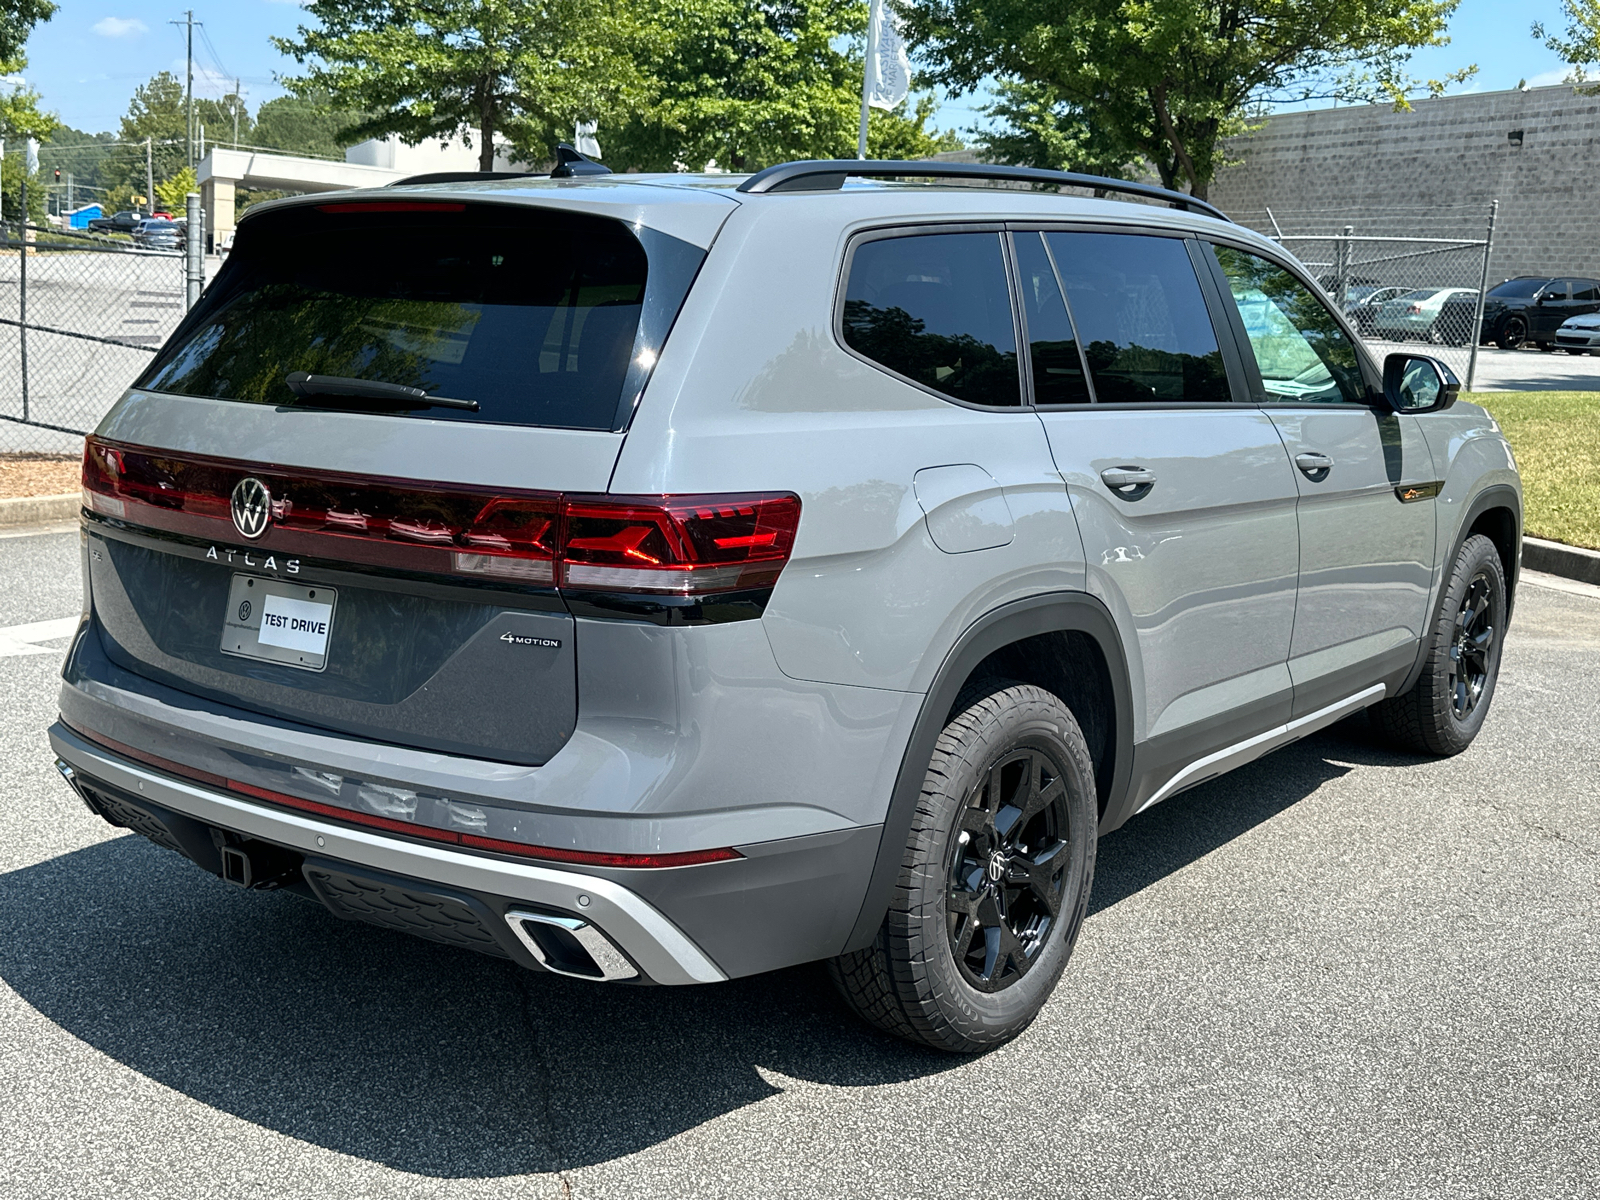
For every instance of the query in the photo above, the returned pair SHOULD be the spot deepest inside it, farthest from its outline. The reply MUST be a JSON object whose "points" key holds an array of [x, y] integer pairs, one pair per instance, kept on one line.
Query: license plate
{"points": [[279, 622]]}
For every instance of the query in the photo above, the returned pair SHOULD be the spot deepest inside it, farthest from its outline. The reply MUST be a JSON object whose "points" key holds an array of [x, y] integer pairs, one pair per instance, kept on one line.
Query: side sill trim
{"points": [[654, 942], [1240, 753]]}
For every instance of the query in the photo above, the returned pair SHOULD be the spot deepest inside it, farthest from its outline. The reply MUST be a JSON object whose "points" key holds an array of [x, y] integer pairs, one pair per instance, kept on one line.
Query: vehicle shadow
{"points": [[443, 1063]]}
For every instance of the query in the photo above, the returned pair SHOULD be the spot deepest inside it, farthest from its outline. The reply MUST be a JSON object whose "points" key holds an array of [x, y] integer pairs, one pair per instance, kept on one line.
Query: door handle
{"points": [[1314, 466], [1130, 483]]}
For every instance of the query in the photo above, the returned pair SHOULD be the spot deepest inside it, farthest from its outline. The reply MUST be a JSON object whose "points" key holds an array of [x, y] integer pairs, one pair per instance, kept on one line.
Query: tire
{"points": [[1513, 334], [961, 876], [1577, 351], [1446, 707]]}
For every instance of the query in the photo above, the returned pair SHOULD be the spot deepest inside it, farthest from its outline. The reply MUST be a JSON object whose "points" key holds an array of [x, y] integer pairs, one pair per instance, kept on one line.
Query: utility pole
{"points": [[189, 23], [149, 178], [236, 103]]}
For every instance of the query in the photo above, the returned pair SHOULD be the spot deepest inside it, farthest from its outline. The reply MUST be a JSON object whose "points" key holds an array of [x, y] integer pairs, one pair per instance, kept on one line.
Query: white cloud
{"points": [[1549, 78], [120, 26]]}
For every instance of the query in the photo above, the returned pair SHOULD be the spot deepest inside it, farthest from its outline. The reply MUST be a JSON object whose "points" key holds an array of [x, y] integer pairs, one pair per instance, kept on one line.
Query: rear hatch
{"points": [[332, 498]]}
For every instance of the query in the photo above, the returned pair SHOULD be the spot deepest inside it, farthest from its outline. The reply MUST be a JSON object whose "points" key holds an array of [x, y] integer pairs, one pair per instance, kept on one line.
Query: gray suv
{"points": [[667, 579]]}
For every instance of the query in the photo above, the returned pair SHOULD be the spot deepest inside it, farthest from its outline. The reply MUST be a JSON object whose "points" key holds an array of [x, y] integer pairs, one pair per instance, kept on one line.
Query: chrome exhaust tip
{"points": [[71, 777], [570, 946]]}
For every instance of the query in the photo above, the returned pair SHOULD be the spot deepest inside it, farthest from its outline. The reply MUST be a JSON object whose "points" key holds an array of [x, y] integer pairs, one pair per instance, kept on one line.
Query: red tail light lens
{"points": [[678, 544], [665, 545]]}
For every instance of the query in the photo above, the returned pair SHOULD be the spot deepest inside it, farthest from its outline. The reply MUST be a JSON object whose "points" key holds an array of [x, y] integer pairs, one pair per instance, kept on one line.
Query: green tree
{"points": [[173, 191], [747, 83], [1169, 80], [17, 19], [306, 125], [1580, 48], [522, 69], [1034, 127], [156, 111], [20, 114], [11, 172]]}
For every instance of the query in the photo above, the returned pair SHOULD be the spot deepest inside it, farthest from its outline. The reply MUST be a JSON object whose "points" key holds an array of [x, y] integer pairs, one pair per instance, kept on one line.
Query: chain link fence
{"points": [[1400, 289], [81, 316]]}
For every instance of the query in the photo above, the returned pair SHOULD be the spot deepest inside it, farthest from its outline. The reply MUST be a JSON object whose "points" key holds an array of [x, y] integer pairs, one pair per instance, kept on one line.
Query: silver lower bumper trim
{"points": [[660, 949]]}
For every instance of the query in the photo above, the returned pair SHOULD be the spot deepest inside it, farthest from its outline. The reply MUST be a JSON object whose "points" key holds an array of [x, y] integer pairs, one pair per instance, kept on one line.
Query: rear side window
{"points": [[936, 308], [1058, 376], [1586, 290], [1141, 318], [531, 313]]}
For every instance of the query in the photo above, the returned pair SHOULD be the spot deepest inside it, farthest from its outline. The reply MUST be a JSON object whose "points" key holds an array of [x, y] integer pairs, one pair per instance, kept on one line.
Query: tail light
{"points": [[683, 546]]}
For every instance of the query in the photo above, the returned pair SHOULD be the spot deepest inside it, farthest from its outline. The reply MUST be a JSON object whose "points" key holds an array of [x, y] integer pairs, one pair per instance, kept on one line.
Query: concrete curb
{"points": [[1569, 562], [39, 510]]}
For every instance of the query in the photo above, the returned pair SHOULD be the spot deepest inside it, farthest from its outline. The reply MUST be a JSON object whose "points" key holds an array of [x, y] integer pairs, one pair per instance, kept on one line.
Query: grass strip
{"points": [[1556, 438]]}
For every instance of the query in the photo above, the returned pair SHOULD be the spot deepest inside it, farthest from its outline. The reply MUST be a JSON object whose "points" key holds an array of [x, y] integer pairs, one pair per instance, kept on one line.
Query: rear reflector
{"points": [[590, 858], [685, 546]]}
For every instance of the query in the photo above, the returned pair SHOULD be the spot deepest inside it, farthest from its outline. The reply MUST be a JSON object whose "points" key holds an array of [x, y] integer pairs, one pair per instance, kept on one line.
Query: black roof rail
{"points": [[828, 175]]}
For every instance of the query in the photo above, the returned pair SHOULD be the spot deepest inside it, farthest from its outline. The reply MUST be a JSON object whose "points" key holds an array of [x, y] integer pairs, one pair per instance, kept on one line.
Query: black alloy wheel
{"points": [[1513, 334], [1008, 869], [995, 878], [1473, 646], [1444, 710]]}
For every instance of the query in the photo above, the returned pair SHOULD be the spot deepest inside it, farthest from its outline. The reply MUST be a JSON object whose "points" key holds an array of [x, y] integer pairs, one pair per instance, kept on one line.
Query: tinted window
{"points": [[1518, 289], [1303, 355], [1586, 290], [533, 315], [1058, 376], [936, 309], [1141, 317]]}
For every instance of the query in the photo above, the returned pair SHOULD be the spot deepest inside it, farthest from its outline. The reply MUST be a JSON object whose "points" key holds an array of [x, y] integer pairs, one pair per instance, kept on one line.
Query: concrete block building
{"points": [[1431, 172]]}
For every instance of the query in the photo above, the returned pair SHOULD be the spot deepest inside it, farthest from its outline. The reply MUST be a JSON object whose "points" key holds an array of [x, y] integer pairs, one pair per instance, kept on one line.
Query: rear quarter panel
{"points": [[753, 392]]}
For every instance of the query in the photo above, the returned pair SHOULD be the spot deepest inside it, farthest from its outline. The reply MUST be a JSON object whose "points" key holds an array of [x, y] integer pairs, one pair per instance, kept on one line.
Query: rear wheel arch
{"points": [[1055, 642]]}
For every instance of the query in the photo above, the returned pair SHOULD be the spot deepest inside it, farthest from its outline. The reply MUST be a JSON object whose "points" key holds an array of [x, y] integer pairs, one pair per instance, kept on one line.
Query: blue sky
{"points": [[87, 61]]}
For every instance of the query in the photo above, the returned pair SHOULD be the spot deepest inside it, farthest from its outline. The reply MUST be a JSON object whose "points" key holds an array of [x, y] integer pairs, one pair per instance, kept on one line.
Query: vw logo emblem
{"points": [[251, 507], [997, 867]]}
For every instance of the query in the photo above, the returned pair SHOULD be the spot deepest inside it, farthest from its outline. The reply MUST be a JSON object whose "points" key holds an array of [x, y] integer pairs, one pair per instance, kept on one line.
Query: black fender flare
{"points": [[1496, 495], [1057, 612]]}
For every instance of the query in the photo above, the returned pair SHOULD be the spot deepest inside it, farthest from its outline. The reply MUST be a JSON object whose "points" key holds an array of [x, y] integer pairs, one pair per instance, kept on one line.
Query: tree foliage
{"points": [[17, 19], [307, 125], [1168, 80], [1580, 48], [522, 69], [745, 84], [1034, 127], [20, 114]]}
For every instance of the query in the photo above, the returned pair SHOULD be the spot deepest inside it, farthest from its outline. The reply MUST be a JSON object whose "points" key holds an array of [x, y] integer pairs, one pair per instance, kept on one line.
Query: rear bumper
{"points": [[661, 952]]}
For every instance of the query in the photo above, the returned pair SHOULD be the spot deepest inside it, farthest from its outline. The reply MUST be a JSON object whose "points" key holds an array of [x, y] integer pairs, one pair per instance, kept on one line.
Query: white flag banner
{"points": [[583, 139], [889, 65]]}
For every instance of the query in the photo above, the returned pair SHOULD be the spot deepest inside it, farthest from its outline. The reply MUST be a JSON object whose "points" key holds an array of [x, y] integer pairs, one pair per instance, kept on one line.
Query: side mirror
{"points": [[1415, 383]]}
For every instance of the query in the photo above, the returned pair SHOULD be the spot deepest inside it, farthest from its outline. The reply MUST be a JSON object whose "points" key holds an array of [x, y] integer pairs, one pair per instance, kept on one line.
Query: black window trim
{"points": [[885, 232], [1216, 310], [1257, 392]]}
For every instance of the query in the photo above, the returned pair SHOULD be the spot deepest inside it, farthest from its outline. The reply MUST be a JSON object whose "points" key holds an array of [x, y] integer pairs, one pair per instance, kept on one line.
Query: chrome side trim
{"points": [[606, 956], [655, 943], [1263, 743]]}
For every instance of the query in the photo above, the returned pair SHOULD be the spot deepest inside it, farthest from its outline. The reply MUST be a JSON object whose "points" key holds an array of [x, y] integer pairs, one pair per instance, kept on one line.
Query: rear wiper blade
{"points": [[302, 383]]}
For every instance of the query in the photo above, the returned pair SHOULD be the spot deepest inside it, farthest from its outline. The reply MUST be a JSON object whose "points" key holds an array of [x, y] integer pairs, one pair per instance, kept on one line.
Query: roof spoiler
{"points": [[828, 175], [568, 164]]}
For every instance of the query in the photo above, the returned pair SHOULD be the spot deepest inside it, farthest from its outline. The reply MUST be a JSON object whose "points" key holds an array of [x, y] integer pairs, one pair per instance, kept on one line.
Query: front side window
{"points": [[1141, 318], [936, 308], [1303, 354]]}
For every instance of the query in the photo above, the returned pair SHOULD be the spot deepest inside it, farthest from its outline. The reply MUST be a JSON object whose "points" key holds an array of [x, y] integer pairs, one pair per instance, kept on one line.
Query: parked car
{"points": [[1529, 309], [159, 233], [1580, 335], [1362, 303], [669, 579], [122, 222], [1421, 314]]}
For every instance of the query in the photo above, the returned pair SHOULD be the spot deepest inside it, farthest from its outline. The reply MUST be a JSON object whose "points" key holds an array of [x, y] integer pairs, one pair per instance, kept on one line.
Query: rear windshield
{"points": [[1421, 294], [532, 313], [1518, 289]]}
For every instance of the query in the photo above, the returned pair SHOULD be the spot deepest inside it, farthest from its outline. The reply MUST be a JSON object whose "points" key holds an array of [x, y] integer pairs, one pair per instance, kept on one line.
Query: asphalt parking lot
{"points": [[1339, 972]]}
